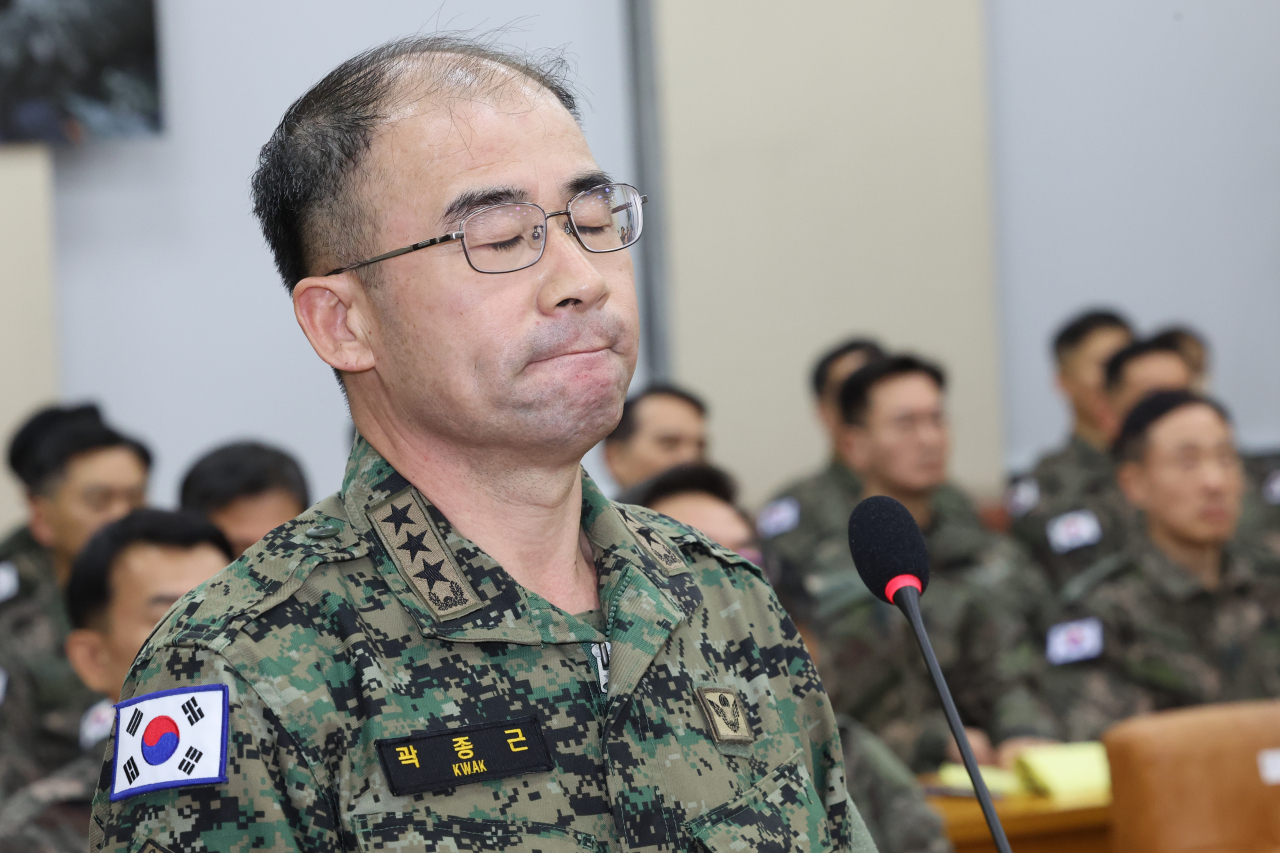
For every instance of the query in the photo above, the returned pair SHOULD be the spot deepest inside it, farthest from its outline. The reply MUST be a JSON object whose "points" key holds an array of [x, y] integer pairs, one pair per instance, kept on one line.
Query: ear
{"points": [[335, 315], [1133, 483], [87, 652], [40, 519]]}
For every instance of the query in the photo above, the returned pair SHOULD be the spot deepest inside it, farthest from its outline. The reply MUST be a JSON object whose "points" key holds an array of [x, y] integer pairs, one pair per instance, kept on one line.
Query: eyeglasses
{"points": [[510, 237]]}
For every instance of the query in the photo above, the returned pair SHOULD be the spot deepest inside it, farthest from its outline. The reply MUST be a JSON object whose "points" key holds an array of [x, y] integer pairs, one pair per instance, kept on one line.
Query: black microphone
{"points": [[891, 558]]}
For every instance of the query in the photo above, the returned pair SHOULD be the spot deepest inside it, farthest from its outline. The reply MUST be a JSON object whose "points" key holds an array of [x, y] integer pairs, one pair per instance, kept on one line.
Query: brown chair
{"points": [[1191, 781]]}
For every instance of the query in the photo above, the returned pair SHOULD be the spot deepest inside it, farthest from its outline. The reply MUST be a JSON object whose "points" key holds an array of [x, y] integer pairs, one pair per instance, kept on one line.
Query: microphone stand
{"points": [[908, 599]]}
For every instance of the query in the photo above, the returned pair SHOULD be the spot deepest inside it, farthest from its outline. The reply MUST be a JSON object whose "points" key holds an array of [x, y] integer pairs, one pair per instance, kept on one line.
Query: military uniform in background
{"points": [[983, 593], [1068, 512], [888, 797], [798, 524], [1140, 633], [44, 705], [386, 685], [52, 815], [1261, 518]]}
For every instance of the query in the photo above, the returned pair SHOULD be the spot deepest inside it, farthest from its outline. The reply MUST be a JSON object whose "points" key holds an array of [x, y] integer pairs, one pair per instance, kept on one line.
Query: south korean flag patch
{"points": [[170, 739]]}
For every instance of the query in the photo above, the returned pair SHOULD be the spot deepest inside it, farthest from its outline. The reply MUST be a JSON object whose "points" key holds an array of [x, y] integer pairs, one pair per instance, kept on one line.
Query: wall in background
{"points": [[1137, 164], [828, 175], [28, 345], [170, 311]]}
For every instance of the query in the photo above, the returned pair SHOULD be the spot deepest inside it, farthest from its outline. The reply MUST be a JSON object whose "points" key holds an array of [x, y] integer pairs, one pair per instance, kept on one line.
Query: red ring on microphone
{"points": [[892, 587]]}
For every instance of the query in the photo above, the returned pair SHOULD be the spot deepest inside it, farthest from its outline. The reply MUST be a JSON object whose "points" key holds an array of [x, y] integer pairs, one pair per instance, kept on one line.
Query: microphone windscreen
{"points": [[886, 543]]}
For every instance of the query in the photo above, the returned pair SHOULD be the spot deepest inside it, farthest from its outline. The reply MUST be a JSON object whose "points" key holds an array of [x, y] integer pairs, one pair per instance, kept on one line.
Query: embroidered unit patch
{"points": [[170, 739], [433, 762], [426, 564], [1073, 530], [1069, 642], [778, 518], [726, 715]]}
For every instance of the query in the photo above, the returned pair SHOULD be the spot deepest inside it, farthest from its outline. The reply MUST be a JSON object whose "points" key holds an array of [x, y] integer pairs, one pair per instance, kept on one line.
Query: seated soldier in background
{"points": [[661, 427], [1085, 518], [802, 513], [1184, 615], [1081, 350], [122, 584], [247, 490], [78, 474], [981, 586], [888, 797]]}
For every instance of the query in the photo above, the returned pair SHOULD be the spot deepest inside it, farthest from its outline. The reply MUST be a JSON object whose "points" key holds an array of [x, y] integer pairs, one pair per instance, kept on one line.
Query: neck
{"points": [[919, 505], [527, 517], [1203, 561], [1094, 435], [61, 570]]}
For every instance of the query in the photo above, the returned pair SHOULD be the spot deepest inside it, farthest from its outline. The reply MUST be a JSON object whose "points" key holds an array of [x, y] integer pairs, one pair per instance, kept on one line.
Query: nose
{"points": [[569, 278]]}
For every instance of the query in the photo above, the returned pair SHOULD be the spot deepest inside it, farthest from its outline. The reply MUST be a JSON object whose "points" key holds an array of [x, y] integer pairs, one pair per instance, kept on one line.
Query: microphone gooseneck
{"points": [[891, 558]]}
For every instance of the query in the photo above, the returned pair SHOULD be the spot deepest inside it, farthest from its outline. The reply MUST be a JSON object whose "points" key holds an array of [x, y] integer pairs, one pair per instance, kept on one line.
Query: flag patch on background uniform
{"points": [[170, 739], [778, 518], [1069, 642], [1073, 530]]}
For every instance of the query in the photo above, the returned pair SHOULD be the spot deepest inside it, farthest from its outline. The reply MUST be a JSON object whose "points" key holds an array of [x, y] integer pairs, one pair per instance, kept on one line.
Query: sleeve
{"points": [[270, 801], [891, 802]]}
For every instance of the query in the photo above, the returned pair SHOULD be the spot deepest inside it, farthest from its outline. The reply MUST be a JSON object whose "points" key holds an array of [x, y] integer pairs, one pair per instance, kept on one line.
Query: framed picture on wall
{"points": [[75, 70]]}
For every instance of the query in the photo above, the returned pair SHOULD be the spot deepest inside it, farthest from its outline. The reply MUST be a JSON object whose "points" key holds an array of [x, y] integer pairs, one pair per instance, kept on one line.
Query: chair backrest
{"points": [[1197, 780]]}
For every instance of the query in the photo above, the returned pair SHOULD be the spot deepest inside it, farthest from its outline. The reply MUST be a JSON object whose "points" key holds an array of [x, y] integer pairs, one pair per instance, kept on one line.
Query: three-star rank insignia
{"points": [[726, 715], [650, 541], [413, 543]]}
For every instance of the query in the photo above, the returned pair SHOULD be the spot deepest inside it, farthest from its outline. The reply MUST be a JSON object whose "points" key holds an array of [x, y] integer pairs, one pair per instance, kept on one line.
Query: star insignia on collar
{"points": [[399, 516], [413, 544]]}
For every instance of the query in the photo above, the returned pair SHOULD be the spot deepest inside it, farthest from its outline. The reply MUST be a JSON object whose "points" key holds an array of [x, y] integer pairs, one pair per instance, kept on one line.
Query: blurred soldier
{"points": [[891, 802], [122, 584], [79, 474], [981, 585], [1184, 615], [1081, 350], [802, 513], [661, 427], [247, 490], [468, 645], [1084, 517]]}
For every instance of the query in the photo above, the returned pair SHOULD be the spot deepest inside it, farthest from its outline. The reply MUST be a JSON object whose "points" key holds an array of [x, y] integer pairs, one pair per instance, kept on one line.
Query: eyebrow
{"points": [[470, 201]]}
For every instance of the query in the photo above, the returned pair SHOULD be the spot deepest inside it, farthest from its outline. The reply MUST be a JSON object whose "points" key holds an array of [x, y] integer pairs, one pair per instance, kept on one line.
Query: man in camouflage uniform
{"points": [[1185, 615], [122, 584], [79, 474], [468, 647], [1079, 515], [981, 587], [802, 513]]}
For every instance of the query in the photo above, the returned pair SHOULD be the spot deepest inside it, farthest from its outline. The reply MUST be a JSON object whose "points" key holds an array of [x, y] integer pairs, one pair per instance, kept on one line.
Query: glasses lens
{"points": [[505, 237], [608, 217]]}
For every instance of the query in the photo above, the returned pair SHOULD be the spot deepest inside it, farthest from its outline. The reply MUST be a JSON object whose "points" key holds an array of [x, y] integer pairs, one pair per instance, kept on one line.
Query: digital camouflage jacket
{"points": [[389, 687], [43, 705], [1139, 633]]}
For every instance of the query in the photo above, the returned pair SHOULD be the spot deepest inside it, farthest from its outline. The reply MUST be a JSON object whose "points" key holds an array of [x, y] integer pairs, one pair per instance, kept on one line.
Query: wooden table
{"points": [[1033, 824]]}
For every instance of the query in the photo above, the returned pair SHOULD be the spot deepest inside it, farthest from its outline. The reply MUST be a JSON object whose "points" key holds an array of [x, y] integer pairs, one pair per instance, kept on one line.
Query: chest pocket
{"points": [[782, 811], [418, 833]]}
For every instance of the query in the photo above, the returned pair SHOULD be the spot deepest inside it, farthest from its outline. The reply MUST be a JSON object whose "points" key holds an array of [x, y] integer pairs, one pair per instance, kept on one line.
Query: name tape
{"points": [[434, 762]]}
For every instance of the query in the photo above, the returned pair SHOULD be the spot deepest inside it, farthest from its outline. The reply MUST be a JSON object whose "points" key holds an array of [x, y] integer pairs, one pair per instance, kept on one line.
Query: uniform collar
{"points": [[1180, 584], [844, 477], [458, 592], [1089, 457]]}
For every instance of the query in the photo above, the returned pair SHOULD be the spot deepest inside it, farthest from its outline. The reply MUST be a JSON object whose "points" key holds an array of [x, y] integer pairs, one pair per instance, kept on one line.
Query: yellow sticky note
{"points": [[1067, 771]]}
